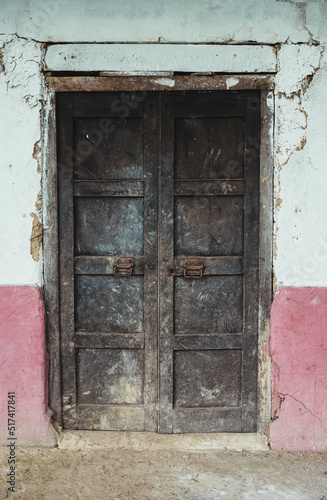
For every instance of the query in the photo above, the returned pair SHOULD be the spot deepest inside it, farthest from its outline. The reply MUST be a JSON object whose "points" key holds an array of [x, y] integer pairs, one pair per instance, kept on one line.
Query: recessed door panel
{"points": [[209, 148], [210, 305], [108, 148], [120, 371], [107, 304], [208, 225], [109, 226], [208, 378]]}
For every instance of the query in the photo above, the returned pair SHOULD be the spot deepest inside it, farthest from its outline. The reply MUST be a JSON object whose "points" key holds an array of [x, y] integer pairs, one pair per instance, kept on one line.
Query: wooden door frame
{"points": [[54, 84]]}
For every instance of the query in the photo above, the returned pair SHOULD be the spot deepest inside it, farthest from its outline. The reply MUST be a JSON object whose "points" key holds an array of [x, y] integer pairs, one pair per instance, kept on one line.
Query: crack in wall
{"points": [[36, 237], [283, 398], [297, 67], [2, 66], [276, 404], [37, 155]]}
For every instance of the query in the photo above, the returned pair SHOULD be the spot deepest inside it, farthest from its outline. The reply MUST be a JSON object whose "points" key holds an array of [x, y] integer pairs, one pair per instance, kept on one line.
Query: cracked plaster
{"points": [[20, 104], [158, 21], [298, 348], [299, 167]]}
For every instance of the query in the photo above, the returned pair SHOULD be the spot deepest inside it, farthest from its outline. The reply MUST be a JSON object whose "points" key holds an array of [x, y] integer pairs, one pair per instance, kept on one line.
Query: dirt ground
{"points": [[80, 471]]}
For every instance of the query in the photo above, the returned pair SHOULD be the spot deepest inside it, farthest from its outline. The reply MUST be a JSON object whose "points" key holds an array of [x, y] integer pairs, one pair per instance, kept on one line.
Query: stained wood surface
{"points": [[109, 226], [251, 265], [151, 128], [265, 256], [103, 188], [208, 188], [166, 257], [66, 259], [51, 257], [216, 179], [108, 201], [175, 179], [164, 82], [210, 378], [209, 226]]}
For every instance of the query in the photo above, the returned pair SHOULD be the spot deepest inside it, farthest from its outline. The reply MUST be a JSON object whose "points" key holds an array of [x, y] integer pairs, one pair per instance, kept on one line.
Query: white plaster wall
{"points": [[300, 168], [138, 58], [20, 94], [301, 158], [205, 21], [301, 108]]}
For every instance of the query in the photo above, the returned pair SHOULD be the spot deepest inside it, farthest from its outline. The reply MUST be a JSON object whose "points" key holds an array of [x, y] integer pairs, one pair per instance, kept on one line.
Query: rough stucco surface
{"points": [[24, 364], [300, 240], [20, 104], [298, 348], [127, 57], [157, 20]]}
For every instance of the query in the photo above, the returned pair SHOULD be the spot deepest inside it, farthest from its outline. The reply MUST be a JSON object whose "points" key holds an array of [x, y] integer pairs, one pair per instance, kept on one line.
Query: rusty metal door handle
{"points": [[193, 268], [124, 266]]}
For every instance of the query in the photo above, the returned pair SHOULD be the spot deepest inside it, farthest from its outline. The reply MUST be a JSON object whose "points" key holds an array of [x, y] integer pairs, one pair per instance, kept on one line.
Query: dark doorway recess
{"points": [[159, 260]]}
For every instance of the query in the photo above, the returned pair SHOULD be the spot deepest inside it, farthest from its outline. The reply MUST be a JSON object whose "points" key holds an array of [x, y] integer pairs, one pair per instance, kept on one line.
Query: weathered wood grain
{"points": [[159, 82], [151, 128], [50, 254], [202, 331], [166, 256], [84, 264], [102, 188], [209, 188], [251, 264], [265, 257], [66, 258]]}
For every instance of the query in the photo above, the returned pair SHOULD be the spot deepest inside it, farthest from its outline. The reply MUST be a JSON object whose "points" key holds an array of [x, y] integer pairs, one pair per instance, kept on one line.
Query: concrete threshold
{"points": [[150, 441]]}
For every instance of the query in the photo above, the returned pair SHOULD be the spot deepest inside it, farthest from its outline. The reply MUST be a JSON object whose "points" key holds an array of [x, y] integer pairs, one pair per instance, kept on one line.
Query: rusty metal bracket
{"points": [[123, 266], [193, 268]]}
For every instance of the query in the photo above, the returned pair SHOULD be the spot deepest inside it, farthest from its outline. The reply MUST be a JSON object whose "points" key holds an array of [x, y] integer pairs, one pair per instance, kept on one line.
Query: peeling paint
{"points": [[278, 203], [296, 67], [36, 237], [303, 142], [37, 155], [2, 67], [20, 103], [299, 66], [38, 203], [166, 82], [231, 82], [277, 48], [275, 242], [275, 283]]}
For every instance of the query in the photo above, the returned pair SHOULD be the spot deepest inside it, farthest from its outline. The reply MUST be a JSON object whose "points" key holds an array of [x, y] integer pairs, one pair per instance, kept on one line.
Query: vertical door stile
{"points": [[251, 256], [166, 256], [151, 259], [66, 257]]}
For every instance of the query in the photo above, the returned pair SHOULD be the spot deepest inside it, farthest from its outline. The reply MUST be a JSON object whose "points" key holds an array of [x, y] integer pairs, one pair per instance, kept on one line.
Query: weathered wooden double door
{"points": [[158, 233]]}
